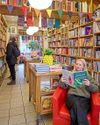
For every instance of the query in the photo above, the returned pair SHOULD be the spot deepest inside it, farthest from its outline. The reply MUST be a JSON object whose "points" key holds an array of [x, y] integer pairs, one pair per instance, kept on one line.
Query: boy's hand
{"points": [[86, 82]]}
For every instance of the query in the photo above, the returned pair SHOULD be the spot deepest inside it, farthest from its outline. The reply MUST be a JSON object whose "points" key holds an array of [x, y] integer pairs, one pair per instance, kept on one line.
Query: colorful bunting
{"points": [[37, 12], [19, 2], [24, 2], [36, 21], [50, 23], [49, 12], [24, 9], [90, 16], [60, 12], [80, 14], [44, 22], [70, 14], [57, 24], [10, 8], [29, 19]]}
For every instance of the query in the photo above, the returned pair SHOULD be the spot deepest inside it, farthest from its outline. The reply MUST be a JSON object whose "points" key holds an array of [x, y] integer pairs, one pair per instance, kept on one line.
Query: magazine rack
{"points": [[61, 114]]}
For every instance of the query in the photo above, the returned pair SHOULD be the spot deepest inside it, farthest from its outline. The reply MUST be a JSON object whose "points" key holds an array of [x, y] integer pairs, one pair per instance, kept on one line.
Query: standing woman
{"points": [[78, 100], [12, 52]]}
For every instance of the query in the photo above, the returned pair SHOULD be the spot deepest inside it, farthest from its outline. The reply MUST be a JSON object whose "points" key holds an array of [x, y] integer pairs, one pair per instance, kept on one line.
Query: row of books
{"points": [[97, 54], [86, 52], [97, 77], [97, 40], [42, 68], [12, 2], [96, 66], [58, 43], [61, 51], [67, 5], [88, 30], [73, 33], [85, 19], [96, 27], [61, 59], [82, 42]]}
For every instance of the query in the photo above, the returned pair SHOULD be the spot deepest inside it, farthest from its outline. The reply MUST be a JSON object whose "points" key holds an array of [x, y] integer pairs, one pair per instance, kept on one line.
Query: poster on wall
{"points": [[12, 30]]}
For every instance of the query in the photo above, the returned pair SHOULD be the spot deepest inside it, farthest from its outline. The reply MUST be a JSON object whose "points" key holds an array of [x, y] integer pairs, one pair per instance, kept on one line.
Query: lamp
{"points": [[40, 4], [31, 30]]}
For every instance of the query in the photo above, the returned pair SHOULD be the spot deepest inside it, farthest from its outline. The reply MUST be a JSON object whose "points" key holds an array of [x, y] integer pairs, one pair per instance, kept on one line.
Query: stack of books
{"points": [[42, 68]]}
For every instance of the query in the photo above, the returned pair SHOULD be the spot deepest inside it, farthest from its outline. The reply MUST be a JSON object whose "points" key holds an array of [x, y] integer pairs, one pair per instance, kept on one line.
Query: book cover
{"points": [[74, 79]]}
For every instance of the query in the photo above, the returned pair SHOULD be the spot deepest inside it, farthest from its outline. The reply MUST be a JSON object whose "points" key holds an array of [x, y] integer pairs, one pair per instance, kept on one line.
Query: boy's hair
{"points": [[84, 63]]}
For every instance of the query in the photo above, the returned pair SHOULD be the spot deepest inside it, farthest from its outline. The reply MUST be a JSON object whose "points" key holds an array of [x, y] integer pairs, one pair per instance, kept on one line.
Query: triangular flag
{"points": [[10, 8], [90, 16], [24, 2], [50, 23], [36, 21], [57, 24], [44, 22], [70, 14], [49, 12], [19, 2], [24, 9], [37, 12], [60, 12], [80, 14]]}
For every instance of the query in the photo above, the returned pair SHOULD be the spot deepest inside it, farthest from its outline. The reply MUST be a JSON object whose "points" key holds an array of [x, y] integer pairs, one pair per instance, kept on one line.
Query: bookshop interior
{"points": [[49, 57]]}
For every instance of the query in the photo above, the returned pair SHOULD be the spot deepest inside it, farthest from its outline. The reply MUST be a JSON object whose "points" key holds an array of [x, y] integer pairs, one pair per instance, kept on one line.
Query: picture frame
{"points": [[12, 29]]}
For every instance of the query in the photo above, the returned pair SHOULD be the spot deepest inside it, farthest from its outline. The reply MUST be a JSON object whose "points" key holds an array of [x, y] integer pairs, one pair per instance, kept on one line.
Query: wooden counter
{"points": [[41, 99], [28, 60]]}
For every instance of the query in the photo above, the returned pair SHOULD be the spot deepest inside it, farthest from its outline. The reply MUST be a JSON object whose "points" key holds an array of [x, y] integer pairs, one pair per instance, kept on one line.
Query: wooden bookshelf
{"points": [[80, 42], [3, 38]]}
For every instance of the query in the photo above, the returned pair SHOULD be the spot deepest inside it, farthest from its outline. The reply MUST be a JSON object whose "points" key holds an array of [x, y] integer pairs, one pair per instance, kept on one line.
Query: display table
{"points": [[42, 98], [28, 60]]}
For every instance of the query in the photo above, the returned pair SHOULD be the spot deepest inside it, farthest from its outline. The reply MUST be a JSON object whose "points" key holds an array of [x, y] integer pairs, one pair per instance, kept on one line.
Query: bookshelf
{"points": [[82, 40], [3, 35]]}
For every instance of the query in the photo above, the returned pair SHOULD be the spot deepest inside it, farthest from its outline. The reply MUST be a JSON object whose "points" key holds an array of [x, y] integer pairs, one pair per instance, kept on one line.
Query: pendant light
{"points": [[31, 30], [40, 4]]}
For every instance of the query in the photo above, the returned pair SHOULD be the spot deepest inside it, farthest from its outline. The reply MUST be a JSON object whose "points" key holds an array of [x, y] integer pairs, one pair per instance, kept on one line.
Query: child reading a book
{"points": [[78, 100]]}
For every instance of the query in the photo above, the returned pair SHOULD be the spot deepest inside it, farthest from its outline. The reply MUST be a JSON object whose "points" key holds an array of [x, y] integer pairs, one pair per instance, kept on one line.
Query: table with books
{"points": [[28, 60], [42, 84]]}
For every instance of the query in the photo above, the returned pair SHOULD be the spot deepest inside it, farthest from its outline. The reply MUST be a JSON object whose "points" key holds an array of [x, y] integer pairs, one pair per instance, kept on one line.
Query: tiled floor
{"points": [[15, 108]]}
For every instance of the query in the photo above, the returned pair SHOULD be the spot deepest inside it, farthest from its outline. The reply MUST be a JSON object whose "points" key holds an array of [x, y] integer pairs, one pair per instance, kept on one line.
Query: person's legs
{"points": [[82, 110], [13, 75], [71, 106], [78, 107]]}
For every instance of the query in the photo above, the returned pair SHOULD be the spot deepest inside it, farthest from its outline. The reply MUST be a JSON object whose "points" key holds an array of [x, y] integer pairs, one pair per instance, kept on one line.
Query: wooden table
{"points": [[35, 89], [28, 60]]}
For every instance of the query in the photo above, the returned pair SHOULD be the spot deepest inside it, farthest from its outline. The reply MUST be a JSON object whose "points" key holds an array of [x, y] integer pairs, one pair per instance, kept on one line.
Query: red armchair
{"points": [[61, 114]]}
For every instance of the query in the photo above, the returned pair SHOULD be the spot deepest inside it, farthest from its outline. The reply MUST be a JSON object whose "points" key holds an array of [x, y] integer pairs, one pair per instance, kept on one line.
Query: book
{"points": [[74, 79]]}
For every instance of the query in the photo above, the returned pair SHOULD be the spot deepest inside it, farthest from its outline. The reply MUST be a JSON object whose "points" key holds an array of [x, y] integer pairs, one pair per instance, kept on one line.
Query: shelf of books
{"points": [[96, 60], [79, 38], [3, 35], [2, 64], [43, 80]]}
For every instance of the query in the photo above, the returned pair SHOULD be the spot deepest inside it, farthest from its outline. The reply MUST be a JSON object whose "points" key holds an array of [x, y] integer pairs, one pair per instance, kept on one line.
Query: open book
{"points": [[74, 79]]}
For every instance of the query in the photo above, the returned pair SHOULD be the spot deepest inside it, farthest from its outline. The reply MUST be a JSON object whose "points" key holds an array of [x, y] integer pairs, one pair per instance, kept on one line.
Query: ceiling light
{"points": [[31, 30], [40, 4]]}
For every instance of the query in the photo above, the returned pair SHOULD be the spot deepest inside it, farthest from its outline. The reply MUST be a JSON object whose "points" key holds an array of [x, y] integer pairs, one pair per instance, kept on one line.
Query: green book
{"points": [[74, 79]]}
